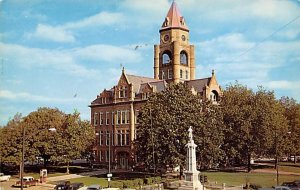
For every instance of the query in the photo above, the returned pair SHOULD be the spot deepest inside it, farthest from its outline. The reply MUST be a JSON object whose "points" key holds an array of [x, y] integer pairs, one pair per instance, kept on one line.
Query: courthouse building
{"points": [[114, 112]]}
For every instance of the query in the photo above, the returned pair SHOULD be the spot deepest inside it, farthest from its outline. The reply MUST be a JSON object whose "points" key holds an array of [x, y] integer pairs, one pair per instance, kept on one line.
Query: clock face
{"points": [[183, 37], [166, 38]]}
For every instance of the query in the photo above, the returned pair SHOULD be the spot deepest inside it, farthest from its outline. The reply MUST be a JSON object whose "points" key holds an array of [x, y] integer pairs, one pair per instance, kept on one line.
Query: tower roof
{"points": [[174, 19]]}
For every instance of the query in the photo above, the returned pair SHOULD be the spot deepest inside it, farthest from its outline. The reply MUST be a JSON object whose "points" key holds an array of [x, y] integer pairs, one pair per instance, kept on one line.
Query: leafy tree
{"points": [[292, 114], [11, 141], [75, 137], [164, 121], [253, 122], [72, 137]]}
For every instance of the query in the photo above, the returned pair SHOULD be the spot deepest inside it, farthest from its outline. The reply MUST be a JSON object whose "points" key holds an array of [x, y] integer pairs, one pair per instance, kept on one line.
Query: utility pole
{"points": [[153, 156], [23, 152]]}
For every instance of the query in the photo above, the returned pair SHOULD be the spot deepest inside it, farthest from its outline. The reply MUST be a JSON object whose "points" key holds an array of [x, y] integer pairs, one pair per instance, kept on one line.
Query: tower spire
{"points": [[174, 19]]}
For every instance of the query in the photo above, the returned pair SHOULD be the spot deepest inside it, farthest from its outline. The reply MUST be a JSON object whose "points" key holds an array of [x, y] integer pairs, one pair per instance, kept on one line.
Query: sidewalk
{"points": [[273, 171], [72, 176]]}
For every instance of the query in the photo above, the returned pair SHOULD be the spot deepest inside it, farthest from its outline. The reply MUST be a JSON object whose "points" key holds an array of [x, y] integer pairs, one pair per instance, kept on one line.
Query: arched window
{"points": [[214, 97], [166, 57], [183, 58]]}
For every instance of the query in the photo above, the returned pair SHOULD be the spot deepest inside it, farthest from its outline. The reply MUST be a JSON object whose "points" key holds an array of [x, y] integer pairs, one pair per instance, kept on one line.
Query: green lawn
{"points": [[262, 179], [91, 180], [289, 167], [37, 175]]}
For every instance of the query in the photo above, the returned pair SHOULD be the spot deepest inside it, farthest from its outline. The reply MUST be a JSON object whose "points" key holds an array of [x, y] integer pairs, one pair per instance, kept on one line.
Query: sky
{"points": [[63, 53]]}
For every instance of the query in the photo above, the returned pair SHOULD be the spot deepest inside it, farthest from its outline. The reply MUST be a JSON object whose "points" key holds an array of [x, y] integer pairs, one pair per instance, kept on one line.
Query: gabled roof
{"points": [[199, 84], [158, 86], [136, 81], [174, 19]]}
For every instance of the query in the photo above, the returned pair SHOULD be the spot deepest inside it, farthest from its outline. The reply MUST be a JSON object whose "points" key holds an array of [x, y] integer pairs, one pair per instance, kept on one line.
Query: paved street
{"points": [[8, 186]]}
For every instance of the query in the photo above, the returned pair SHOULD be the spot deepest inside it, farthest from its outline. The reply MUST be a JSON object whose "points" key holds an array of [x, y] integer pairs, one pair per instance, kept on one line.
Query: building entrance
{"points": [[123, 160]]}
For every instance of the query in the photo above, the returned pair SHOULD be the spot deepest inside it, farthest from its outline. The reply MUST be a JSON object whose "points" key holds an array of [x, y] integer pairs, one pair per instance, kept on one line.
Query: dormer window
{"points": [[145, 95], [123, 92]]}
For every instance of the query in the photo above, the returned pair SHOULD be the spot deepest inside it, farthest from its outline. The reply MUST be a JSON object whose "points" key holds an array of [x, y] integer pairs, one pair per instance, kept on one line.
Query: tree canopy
{"points": [[164, 121], [244, 125], [70, 140]]}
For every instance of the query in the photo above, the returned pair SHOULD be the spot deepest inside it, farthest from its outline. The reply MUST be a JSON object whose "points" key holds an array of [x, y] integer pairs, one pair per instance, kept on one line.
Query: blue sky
{"points": [[62, 53]]}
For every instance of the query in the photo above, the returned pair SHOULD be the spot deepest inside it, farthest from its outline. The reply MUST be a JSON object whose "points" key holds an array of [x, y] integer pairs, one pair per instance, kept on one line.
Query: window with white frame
{"points": [[136, 116], [122, 92], [118, 117], [100, 155], [107, 118], [107, 138], [112, 118], [127, 137], [95, 118], [101, 118], [101, 138]]}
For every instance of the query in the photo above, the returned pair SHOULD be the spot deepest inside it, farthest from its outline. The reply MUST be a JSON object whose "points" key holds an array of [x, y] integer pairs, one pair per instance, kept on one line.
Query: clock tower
{"points": [[174, 57]]}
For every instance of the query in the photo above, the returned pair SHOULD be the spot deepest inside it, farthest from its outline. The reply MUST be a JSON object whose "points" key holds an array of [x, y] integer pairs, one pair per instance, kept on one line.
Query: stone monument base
{"points": [[189, 185], [191, 181]]}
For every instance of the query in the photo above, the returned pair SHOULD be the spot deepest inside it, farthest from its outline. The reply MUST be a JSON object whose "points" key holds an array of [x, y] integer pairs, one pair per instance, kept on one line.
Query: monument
{"points": [[191, 173]]}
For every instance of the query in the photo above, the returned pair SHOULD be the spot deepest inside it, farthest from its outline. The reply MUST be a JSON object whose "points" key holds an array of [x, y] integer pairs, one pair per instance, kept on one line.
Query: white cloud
{"points": [[71, 61], [98, 20], [25, 96], [284, 84], [56, 34], [109, 53], [64, 33], [61, 61], [236, 58], [152, 6]]}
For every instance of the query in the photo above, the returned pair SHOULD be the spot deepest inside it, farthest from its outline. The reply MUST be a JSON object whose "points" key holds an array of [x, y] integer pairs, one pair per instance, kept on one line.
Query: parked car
{"points": [[94, 187], [281, 188], [4, 177], [62, 185], [27, 182], [76, 186], [292, 185]]}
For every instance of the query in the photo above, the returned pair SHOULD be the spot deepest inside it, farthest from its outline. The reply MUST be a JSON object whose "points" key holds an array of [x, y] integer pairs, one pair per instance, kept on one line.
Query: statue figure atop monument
{"points": [[190, 134]]}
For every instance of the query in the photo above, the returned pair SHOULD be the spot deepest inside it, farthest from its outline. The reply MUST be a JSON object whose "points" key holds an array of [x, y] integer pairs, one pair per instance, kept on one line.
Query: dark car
{"points": [[292, 185], [62, 185], [94, 187], [75, 186]]}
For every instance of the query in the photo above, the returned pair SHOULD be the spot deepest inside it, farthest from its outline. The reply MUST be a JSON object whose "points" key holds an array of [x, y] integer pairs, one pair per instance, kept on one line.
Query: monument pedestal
{"points": [[191, 181], [191, 174]]}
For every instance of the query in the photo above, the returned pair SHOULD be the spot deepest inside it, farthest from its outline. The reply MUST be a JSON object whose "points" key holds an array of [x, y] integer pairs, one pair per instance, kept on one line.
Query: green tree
{"points": [[164, 121], [11, 141], [292, 114], [75, 137], [253, 124], [72, 139]]}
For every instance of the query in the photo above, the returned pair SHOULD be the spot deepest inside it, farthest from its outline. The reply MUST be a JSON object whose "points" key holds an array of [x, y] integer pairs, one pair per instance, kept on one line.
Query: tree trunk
{"points": [[249, 163], [180, 172]]}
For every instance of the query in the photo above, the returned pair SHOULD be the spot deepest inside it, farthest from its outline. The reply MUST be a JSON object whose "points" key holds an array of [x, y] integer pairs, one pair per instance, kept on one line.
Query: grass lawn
{"points": [[289, 167], [262, 179], [37, 175], [91, 180]]}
